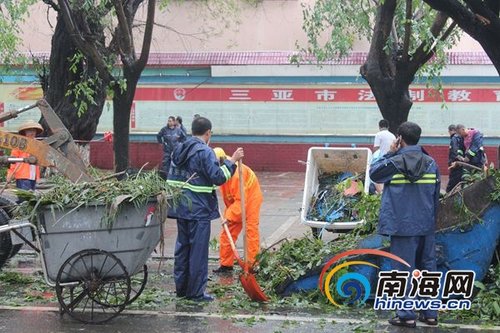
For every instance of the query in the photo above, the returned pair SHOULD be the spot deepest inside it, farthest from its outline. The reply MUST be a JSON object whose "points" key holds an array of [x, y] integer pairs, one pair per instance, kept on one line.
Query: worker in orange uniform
{"points": [[25, 174], [253, 200]]}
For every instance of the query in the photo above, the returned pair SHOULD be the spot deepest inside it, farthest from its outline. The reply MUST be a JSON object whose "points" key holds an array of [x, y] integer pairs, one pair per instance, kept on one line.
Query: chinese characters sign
{"points": [[326, 95]]}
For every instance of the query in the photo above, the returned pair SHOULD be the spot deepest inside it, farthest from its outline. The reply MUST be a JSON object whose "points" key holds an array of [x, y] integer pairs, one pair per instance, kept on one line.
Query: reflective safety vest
{"points": [[23, 170]]}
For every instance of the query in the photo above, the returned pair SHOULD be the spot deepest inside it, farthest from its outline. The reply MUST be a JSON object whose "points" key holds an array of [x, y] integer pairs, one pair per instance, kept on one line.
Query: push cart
{"points": [[96, 269]]}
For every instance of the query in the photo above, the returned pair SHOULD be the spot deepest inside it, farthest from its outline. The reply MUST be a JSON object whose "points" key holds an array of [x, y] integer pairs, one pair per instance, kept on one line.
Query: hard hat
{"points": [[219, 152], [30, 124]]}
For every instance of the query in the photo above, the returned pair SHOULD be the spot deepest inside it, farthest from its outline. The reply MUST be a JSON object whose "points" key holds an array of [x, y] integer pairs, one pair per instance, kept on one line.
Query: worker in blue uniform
{"points": [[455, 153], [196, 170], [169, 136], [409, 209], [473, 143]]}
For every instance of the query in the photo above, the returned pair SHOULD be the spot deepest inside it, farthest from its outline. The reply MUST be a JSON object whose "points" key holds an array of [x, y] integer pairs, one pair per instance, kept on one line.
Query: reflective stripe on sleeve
{"points": [[227, 173], [191, 187], [428, 178]]}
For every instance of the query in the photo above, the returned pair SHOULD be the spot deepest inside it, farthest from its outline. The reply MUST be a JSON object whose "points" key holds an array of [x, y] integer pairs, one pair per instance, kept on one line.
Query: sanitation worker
{"points": [[232, 199], [409, 209], [473, 143], [25, 174], [169, 136], [455, 153], [196, 170]]}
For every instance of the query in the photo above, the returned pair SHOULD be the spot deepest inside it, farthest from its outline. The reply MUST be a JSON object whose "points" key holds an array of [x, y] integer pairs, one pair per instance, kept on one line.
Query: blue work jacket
{"points": [[170, 138], [411, 192], [475, 153], [456, 148], [195, 168]]}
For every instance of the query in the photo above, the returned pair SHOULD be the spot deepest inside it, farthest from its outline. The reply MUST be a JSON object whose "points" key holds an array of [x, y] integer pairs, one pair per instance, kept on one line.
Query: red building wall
{"points": [[279, 157]]}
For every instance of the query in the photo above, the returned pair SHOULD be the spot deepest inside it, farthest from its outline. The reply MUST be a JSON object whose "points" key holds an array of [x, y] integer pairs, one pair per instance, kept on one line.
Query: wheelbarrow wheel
{"points": [[138, 283], [93, 286], [7, 249], [5, 241]]}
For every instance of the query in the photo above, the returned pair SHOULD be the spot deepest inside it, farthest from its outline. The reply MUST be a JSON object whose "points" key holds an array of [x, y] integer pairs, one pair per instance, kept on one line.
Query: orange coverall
{"points": [[22, 170], [253, 200]]}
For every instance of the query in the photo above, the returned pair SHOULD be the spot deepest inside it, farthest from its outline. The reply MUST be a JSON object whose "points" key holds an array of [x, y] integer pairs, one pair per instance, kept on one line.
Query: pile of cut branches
{"points": [[64, 195]]}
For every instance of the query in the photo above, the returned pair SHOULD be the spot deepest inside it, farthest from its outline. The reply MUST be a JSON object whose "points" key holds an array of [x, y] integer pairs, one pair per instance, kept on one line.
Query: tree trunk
{"points": [[394, 104], [56, 86], [122, 103], [390, 85]]}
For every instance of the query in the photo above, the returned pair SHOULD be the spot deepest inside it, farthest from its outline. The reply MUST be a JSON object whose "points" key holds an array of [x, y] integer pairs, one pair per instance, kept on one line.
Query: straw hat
{"points": [[30, 124]]}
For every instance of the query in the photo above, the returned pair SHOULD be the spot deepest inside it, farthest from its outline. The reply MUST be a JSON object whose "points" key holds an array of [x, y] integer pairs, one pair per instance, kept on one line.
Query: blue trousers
{"points": [[165, 163], [420, 253], [26, 184], [191, 258]]}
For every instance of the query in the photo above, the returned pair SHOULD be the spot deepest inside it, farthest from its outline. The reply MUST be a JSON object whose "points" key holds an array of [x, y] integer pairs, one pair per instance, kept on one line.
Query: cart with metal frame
{"points": [[96, 270]]}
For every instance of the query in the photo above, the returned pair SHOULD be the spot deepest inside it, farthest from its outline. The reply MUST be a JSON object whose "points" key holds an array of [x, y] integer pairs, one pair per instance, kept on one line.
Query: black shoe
{"points": [[396, 321], [204, 298], [428, 321], [223, 269]]}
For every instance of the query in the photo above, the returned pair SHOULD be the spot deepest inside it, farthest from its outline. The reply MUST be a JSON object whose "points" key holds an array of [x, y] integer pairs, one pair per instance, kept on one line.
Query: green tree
{"points": [[78, 16], [71, 83], [480, 19], [403, 36], [12, 14], [84, 58]]}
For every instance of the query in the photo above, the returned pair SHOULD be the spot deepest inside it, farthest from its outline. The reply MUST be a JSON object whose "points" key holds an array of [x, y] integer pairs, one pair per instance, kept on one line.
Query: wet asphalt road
{"points": [[46, 320]]}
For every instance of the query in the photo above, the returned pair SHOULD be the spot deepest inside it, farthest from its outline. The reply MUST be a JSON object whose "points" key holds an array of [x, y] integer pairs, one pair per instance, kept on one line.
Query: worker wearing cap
{"points": [[253, 200], [25, 174]]}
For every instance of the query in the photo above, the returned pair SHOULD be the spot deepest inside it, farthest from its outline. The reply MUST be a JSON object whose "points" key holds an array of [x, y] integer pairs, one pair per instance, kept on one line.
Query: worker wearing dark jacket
{"points": [[473, 143], [455, 153], [196, 169], [409, 208], [169, 136]]}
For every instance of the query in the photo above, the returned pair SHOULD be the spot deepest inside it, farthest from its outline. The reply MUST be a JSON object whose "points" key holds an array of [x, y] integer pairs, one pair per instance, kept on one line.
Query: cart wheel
{"points": [[7, 249], [138, 283], [5, 240], [93, 286]]}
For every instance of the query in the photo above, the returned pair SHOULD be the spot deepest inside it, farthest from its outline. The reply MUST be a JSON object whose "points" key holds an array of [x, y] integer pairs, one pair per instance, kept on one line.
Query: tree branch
{"points": [[406, 41], [87, 48], [148, 35], [425, 51], [125, 35], [52, 4], [378, 61], [464, 17]]}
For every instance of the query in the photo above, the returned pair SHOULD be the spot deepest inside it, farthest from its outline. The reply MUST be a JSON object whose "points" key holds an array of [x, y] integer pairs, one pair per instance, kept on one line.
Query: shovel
{"points": [[247, 279]]}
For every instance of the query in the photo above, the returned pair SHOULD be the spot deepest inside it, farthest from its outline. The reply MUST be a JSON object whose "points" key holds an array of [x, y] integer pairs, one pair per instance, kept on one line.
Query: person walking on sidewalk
{"points": [[409, 208], [196, 170], [25, 174], [253, 200]]}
